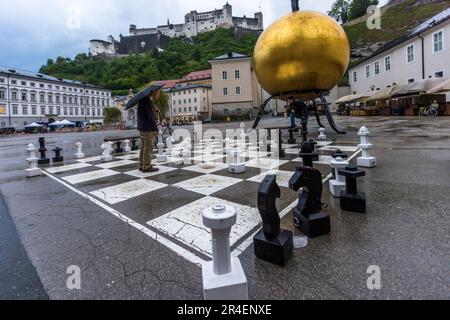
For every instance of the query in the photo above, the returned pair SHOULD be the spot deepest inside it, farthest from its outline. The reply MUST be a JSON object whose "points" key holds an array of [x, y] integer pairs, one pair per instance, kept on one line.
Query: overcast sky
{"points": [[32, 31]]}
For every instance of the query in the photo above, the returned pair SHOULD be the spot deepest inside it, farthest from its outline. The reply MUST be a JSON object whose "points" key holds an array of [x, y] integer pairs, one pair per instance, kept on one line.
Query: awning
{"points": [[443, 87], [355, 97], [416, 87], [34, 125], [382, 94]]}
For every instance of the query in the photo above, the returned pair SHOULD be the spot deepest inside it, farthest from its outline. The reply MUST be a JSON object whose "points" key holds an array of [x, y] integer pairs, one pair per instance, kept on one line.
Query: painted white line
{"points": [[168, 244]]}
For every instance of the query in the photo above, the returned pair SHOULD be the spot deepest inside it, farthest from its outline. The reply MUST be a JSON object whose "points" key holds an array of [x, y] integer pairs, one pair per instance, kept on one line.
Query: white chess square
{"points": [[68, 167], [139, 174], [91, 159], [324, 143], [256, 154], [185, 224], [287, 146], [266, 163], [292, 151], [116, 164], [283, 177], [207, 184], [207, 167], [129, 157], [322, 160], [90, 176], [208, 158], [125, 191], [342, 148]]}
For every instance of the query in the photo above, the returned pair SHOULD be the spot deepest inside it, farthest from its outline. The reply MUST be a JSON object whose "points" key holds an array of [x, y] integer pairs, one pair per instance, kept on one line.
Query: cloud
{"points": [[32, 31]]}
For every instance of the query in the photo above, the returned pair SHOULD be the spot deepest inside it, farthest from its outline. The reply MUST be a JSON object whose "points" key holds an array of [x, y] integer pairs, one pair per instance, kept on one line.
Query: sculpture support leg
{"points": [[329, 115]]}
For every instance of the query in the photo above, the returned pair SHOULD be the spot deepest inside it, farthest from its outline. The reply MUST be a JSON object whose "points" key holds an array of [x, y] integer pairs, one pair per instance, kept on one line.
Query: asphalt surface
{"points": [[406, 231]]}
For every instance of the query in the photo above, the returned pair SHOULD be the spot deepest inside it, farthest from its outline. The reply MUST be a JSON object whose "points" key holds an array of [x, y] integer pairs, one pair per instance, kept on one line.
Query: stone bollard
{"points": [[32, 170], [126, 148], [337, 185], [42, 150], [79, 154], [322, 135], [58, 158], [351, 199], [366, 161], [272, 244], [223, 278], [236, 166], [107, 152]]}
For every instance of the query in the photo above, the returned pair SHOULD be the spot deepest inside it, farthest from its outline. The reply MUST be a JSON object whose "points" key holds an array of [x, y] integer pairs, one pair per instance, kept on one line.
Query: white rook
{"points": [[223, 278], [322, 135], [79, 154], [107, 152], [33, 170], [126, 148], [338, 184], [236, 164], [366, 160]]}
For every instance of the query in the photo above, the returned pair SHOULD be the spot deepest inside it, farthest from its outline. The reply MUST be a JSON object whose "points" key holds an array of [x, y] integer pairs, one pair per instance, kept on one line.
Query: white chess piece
{"points": [[322, 135], [338, 184], [33, 170], [127, 148], [79, 154], [161, 157], [366, 161], [107, 152], [236, 164], [224, 277]]}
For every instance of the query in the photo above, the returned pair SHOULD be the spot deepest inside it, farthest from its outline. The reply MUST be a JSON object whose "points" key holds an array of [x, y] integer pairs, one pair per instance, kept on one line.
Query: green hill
{"points": [[180, 57]]}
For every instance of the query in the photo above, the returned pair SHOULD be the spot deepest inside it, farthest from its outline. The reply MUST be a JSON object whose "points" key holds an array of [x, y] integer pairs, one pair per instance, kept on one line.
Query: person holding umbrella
{"points": [[148, 129]]}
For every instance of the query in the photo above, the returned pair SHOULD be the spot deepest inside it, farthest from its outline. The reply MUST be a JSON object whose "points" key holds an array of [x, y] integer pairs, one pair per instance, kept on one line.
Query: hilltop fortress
{"points": [[146, 39]]}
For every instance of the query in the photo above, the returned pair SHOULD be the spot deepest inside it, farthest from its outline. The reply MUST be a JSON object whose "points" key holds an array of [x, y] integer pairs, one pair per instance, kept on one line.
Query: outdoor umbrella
{"points": [[67, 123], [55, 124], [34, 125], [441, 88], [141, 95]]}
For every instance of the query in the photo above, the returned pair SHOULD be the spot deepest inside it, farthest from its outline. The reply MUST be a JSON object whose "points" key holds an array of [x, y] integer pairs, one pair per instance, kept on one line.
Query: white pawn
{"points": [[161, 157], [236, 164], [322, 135], [107, 152], [338, 184], [187, 151], [366, 161], [169, 143], [127, 148], [33, 170], [243, 133], [79, 154], [224, 277]]}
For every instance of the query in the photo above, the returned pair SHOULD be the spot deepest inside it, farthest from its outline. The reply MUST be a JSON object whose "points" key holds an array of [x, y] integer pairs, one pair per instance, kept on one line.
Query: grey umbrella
{"points": [[141, 95]]}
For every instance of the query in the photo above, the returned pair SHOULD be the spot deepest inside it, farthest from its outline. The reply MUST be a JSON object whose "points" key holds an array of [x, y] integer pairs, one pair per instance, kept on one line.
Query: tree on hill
{"points": [[339, 10]]}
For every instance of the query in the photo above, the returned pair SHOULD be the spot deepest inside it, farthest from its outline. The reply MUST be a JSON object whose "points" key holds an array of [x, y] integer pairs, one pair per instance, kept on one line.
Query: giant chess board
{"points": [[167, 205]]}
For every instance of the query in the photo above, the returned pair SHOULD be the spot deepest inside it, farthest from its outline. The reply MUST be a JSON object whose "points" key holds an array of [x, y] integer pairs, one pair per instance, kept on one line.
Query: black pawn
{"points": [[308, 155], [351, 199], [272, 244], [42, 150], [313, 145], [308, 215], [58, 158], [134, 146], [119, 148]]}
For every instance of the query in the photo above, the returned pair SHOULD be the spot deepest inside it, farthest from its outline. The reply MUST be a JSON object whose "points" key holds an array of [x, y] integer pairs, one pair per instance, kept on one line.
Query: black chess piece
{"points": [[58, 158], [119, 148], [351, 199], [291, 139], [272, 244], [313, 146], [134, 146], [308, 155], [42, 150], [308, 215]]}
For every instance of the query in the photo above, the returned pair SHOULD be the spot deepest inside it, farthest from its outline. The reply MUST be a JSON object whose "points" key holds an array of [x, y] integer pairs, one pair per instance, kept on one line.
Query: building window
{"points": [[2, 95], [190, 109], [410, 54], [367, 71], [179, 101], [225, 91], [24, 83], [3, 124], [58, 110], [237, 74], [76, 111], [355, 76], [174, 102], [82, 111], [15, 110], [14, 95], [65, 111], [195, 99], [411, 80], [238, 90], [439, 74], [88, 112], [438, 41], [179, 110], [2, 80], [190, 100], [184, 101], [50, 98], [377, 68], [25, 110], [33, 110], [13, 82], [42, 98], [387, 63], [224, 75], [50, 110], [43, 110], [33, 97]]}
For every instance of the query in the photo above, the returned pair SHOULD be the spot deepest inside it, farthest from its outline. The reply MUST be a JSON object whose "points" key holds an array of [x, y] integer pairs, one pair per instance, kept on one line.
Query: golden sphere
{"points": [[304, 51]]}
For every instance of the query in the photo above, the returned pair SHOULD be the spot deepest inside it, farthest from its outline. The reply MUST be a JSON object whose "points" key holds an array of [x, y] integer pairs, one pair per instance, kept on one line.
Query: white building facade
{"points": [[423, 54], [27, 97], [190, 102]]}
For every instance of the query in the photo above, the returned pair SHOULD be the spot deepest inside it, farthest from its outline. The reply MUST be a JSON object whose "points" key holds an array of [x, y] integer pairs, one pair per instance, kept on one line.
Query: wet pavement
{"points": [[406, 232]]}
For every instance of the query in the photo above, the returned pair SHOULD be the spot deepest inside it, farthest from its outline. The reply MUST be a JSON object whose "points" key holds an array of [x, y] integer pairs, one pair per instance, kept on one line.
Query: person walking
{"points": [[148, 130]]}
